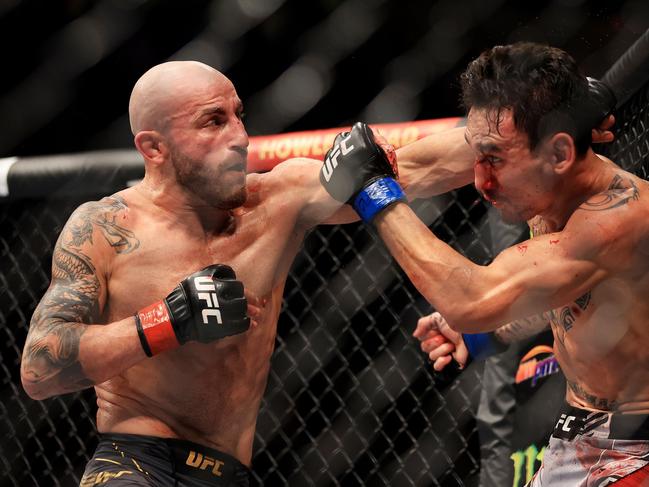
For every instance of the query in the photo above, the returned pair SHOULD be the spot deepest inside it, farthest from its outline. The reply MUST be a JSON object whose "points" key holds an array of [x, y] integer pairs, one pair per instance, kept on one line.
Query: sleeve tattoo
{"points": [[51, 355]]}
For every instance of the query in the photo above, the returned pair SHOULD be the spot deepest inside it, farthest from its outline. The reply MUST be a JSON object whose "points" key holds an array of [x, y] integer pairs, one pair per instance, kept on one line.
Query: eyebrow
{"points": [[217, 110], [484, 146], [211, 111]]}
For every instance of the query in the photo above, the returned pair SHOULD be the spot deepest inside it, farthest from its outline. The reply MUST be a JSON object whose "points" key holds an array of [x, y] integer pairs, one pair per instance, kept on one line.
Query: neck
{"points": [[587, 177], [183, 207]]}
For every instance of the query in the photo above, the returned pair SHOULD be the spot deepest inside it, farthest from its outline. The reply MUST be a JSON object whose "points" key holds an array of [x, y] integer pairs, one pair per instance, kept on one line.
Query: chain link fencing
{"points": [[350, 399]]}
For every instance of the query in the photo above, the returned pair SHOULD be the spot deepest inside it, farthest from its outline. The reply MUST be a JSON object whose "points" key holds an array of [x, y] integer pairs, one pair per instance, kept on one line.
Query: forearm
{"points": [[435, 164], [59, 357], [453, 284]]}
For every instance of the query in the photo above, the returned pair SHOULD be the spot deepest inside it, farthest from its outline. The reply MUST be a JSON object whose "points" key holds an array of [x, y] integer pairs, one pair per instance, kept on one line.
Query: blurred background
{"points": [[350, 400], [69, 65]]}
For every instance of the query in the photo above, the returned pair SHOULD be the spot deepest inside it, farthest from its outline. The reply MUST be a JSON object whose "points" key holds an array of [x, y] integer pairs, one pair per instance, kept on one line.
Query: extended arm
{"points": [[529, 278], [435, 164], [444, 161]]}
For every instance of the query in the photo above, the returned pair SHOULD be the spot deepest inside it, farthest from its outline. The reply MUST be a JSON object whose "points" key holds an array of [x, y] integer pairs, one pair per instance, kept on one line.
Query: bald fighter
{"points": [[586, 269], [146, 301]]}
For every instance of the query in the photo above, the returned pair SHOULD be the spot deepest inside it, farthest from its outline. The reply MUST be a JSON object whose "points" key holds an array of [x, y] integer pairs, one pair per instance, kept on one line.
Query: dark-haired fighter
{"points": [[586, 269]]}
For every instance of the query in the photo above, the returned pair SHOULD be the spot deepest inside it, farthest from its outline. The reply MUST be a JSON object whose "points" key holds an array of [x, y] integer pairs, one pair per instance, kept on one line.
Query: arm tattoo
{"points": [[566, 317], [103, 215], [51, 356], [591, 400], [521, 329], [619, 193]]}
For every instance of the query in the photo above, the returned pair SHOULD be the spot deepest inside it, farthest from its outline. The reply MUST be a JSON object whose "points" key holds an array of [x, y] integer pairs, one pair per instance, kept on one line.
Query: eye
{"points": [[492, 159], [216, 121], [241, 115]]}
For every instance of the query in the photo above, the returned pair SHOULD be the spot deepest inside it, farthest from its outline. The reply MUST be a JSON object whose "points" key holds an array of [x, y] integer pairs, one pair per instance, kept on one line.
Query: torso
{"points": [[206, 393], [602, 338]]}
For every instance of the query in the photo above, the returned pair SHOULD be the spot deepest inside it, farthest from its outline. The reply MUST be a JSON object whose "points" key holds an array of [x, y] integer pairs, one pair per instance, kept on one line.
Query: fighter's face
{"points": [[507, 174], [208, 146]]}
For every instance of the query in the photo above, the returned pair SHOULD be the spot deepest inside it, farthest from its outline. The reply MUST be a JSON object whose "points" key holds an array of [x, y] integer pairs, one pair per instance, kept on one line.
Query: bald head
{"points": [[164, 89]]}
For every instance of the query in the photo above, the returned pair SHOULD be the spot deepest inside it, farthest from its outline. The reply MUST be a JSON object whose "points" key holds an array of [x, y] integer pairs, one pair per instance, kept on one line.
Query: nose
{"points": [[239, 138], [485, 181]]}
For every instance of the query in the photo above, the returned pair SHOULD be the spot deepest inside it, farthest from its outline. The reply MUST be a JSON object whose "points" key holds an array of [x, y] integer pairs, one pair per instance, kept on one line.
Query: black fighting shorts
{"points": [[129, 460]]}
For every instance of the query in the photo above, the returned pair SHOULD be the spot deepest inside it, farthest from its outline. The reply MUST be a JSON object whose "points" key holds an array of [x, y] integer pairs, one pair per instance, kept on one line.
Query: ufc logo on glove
{"points": [[205, 283], [331, 161]]}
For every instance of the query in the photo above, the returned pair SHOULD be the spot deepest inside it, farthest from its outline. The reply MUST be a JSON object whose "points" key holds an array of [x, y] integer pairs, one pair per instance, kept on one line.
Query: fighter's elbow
{"points": [[32, 384], [34, 390]]}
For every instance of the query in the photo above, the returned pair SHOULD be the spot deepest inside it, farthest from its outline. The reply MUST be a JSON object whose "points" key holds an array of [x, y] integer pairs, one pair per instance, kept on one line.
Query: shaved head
{"points": [[186, 119], [161, 92]]}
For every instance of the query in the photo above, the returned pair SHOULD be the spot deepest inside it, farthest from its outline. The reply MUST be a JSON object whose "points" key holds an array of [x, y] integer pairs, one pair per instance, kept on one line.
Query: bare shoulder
{"points": [[615, 222], [624, 190], [101, 222]]}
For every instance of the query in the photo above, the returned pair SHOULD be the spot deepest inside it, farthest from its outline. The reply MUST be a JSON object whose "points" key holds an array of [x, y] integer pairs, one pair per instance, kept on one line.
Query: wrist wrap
{"points": [[376, 196], [155, 329], [483, 345]]}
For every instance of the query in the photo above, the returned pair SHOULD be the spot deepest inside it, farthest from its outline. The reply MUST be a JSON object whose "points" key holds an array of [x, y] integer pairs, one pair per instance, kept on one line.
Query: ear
{"points": [[151, 145], [562, 151]]}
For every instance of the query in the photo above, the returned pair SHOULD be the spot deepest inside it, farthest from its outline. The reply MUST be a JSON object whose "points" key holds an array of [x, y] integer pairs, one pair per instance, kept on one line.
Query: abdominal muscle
{"points": [[205, 393], [616, 382]]}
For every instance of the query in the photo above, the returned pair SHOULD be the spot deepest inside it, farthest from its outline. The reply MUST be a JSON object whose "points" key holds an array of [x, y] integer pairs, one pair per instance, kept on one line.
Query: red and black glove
{"points": [[207, 305]]}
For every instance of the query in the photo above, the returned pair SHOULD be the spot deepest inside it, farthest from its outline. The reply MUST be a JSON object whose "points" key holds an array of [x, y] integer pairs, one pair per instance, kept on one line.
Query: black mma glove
{"points": [[591, 111], [357, 171], [602, 101], [204, 307]]}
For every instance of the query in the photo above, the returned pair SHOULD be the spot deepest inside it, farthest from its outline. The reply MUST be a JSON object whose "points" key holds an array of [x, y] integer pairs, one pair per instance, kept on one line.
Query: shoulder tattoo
{"points": [[103, 215], [619, 193]]}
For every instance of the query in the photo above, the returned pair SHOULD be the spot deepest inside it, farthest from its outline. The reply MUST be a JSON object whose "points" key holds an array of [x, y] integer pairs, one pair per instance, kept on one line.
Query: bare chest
{"points": [[259, 249], [609, 320]]}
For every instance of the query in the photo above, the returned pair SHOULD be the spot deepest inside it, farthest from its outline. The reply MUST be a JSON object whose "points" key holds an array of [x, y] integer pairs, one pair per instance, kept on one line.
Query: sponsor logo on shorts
{"points": [[331, 162], [538, 363], [526, 463], [208, 294], [101, 477], [203, 462], [568, 426]]}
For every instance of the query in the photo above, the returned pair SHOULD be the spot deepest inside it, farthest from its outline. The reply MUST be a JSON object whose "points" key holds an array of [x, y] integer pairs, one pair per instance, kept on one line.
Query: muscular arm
{"points": [[64, 350], [435, 164], [529, 278]]}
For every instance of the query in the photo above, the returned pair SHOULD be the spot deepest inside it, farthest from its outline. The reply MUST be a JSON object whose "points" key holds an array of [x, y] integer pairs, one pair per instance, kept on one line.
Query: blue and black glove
{"points": [[356, 170]]}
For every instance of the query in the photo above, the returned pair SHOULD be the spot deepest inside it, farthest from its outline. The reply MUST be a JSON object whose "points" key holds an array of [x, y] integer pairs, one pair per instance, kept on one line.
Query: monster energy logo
{"points": [[525, 464]]}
